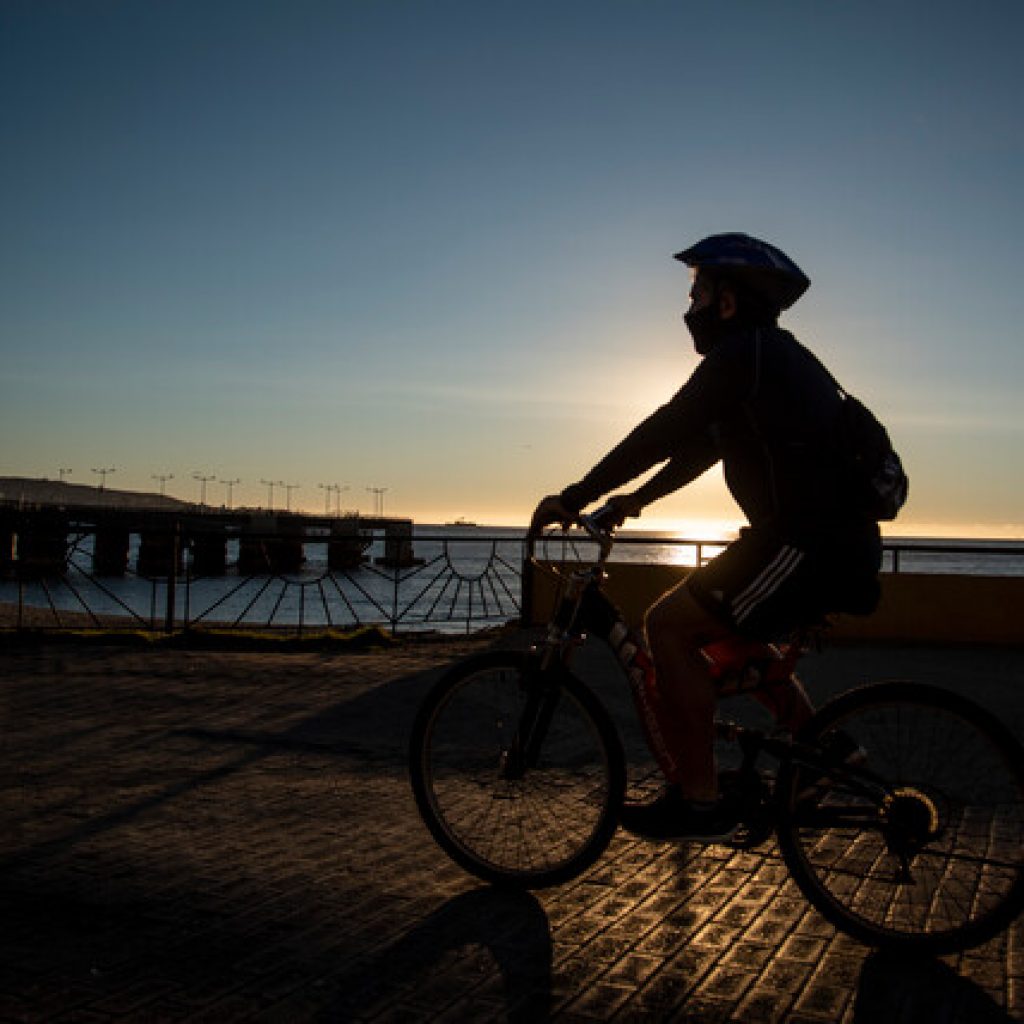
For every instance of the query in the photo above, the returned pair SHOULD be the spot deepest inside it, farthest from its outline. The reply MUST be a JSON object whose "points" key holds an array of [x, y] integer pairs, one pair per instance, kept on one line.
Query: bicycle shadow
{"points": [[920, 990], [511, 926]]}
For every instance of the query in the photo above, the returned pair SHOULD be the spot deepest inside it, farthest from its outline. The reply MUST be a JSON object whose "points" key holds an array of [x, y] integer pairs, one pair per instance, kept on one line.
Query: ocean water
{"points": [[902, 554], [464, 578]]}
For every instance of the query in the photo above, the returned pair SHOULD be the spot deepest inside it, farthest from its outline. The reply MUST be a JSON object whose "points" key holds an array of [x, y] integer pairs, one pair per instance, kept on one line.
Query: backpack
{"points": [[877, 481]]}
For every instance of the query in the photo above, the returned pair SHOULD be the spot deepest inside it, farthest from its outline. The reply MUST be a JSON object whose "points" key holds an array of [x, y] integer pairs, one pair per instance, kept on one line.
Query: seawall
{"points": [[915, 607]]}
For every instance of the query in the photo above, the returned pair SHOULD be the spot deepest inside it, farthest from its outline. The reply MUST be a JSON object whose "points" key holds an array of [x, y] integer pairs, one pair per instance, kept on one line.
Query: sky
{"points": [[426, 246]]}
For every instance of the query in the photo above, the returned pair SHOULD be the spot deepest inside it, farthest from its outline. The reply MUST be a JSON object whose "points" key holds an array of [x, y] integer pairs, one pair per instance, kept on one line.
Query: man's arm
{"points": [[678, 472], [679, 430], [646, 445]]}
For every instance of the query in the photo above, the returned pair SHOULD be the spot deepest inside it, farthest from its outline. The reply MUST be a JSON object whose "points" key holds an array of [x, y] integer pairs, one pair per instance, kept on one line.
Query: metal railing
{"points": [[441, 583]]}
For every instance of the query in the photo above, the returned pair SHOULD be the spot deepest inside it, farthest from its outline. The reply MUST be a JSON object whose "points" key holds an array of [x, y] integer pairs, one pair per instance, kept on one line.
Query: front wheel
{"points": [[518, 773], [917, 841]]}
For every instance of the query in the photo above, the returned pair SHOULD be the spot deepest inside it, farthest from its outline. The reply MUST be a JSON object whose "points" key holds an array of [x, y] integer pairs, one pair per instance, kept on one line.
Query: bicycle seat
{"points": [[735, 653]]}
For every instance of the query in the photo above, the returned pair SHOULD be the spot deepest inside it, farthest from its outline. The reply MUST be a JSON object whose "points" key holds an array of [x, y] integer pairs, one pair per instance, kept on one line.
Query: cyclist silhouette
{"points": [[764, 406]]}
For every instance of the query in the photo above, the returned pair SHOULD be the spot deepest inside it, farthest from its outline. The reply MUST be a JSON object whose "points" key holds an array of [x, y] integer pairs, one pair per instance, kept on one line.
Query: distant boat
{"points": [[460, 522]]}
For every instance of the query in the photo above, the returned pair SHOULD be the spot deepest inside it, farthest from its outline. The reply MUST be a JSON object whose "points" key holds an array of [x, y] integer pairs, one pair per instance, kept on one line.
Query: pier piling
{"points": [[271, 544], [110, 555], [158, 552], [209, 553], [40, 546], [347, 545], [398, 551]]}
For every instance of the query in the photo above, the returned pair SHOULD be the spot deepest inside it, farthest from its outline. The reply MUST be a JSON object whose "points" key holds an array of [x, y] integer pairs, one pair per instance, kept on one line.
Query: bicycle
{"points": [[519, 773]]}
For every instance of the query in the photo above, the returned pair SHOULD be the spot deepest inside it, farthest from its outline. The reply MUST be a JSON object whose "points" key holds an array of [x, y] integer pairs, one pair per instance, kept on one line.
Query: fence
{"points": [[457, 581], [291, 586]]}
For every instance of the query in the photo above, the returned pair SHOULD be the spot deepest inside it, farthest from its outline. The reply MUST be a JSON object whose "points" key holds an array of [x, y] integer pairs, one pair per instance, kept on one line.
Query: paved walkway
{"points": [[230, 836]]}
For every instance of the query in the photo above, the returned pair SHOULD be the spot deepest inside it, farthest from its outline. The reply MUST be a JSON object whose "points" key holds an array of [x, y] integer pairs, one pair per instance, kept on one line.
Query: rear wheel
{"points": [[510, 815], [922, 845]]}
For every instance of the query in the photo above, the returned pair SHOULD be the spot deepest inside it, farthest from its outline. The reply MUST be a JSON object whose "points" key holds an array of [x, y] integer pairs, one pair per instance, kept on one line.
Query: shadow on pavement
{"points": [[907, 990], [511, 926]]}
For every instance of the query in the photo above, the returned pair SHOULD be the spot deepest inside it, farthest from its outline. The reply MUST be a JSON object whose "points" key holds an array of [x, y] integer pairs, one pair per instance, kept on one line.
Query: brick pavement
{"points": [[230, 836]]}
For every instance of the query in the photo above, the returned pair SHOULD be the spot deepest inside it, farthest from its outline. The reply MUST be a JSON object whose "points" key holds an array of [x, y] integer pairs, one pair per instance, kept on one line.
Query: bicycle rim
{"points": [[539, 828], [924, 847]]}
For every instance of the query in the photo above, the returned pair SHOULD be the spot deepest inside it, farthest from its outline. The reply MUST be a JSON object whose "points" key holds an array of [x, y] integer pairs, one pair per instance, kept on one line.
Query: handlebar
{"points": [[600, 525]]}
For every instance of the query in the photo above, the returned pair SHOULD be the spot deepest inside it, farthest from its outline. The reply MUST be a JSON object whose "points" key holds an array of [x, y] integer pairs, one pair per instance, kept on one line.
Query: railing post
{"points": [[187, 572], [394, 602], [172, 577], [526, 585]]}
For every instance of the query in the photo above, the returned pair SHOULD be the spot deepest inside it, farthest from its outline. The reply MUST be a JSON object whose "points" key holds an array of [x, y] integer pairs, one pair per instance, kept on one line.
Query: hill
{"points": [[25, 490]]}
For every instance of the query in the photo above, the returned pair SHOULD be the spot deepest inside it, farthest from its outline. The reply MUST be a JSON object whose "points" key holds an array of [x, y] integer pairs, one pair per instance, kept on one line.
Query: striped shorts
{"points": [[764, 587]]}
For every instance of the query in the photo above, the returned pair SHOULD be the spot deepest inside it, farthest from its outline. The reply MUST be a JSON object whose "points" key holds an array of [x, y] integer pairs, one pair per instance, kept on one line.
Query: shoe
{"points": [[841, 750], [672, 816]]}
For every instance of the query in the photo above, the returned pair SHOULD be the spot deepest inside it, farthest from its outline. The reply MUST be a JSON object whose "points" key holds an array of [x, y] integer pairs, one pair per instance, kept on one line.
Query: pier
{"points": [[35, 541]]}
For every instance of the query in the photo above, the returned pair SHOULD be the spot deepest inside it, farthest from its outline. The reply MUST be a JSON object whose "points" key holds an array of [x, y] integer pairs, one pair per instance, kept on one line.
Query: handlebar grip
{"points": [[603, 520]]}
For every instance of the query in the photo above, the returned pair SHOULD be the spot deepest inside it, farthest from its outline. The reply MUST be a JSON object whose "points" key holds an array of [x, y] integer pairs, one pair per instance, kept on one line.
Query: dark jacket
{"points": [[765, 406]]}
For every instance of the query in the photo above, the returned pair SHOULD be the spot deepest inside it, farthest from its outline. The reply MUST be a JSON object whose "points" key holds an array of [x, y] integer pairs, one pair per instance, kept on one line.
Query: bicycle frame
{"points": [[582, 608], [736, 664]]}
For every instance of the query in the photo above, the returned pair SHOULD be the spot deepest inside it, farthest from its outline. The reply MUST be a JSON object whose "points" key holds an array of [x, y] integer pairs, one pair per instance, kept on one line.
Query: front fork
{"points": [[542, 696]]}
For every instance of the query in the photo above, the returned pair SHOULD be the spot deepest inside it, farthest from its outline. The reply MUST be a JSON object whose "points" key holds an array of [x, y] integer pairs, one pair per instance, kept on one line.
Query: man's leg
{"points": [[788, 702], [764, 587], [677, 627]]}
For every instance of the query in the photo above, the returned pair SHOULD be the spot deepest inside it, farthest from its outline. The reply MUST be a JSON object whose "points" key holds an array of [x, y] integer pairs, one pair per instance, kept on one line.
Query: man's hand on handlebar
{"points": [[620, 508], [609, 516], [551, 510]]}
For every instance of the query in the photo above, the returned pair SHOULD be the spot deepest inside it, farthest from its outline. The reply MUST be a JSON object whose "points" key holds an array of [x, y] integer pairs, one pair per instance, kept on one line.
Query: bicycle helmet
{"points": [[763, 268]]}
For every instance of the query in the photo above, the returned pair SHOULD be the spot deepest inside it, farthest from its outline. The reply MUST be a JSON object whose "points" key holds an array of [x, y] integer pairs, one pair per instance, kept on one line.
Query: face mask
{"points": [[705, 326]]}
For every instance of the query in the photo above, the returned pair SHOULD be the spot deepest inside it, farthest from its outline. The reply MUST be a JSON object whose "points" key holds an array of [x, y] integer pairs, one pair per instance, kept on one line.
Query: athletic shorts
{"points": [[764, 587]]}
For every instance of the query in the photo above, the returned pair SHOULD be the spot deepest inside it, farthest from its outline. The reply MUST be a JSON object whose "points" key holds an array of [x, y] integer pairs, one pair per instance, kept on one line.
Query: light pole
{"points": [[337, 488], [327, 488], [63, 470], [378, 500], [103, 474], [288, 488], [230, 484], [163, 478], [270, 496], [202, 487]]}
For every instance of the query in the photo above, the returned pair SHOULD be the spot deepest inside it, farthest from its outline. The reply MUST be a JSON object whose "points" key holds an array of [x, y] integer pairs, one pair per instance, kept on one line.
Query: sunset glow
{"points": [[429, 256]]}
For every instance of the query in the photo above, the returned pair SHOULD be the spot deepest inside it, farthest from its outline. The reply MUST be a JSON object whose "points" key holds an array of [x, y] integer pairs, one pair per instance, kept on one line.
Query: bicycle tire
{"points": [[936, 863], [537, 831]]}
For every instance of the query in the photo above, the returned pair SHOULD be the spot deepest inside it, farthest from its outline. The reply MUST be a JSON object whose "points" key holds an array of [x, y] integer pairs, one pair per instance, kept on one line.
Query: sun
{"points": [[696, 528]]}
